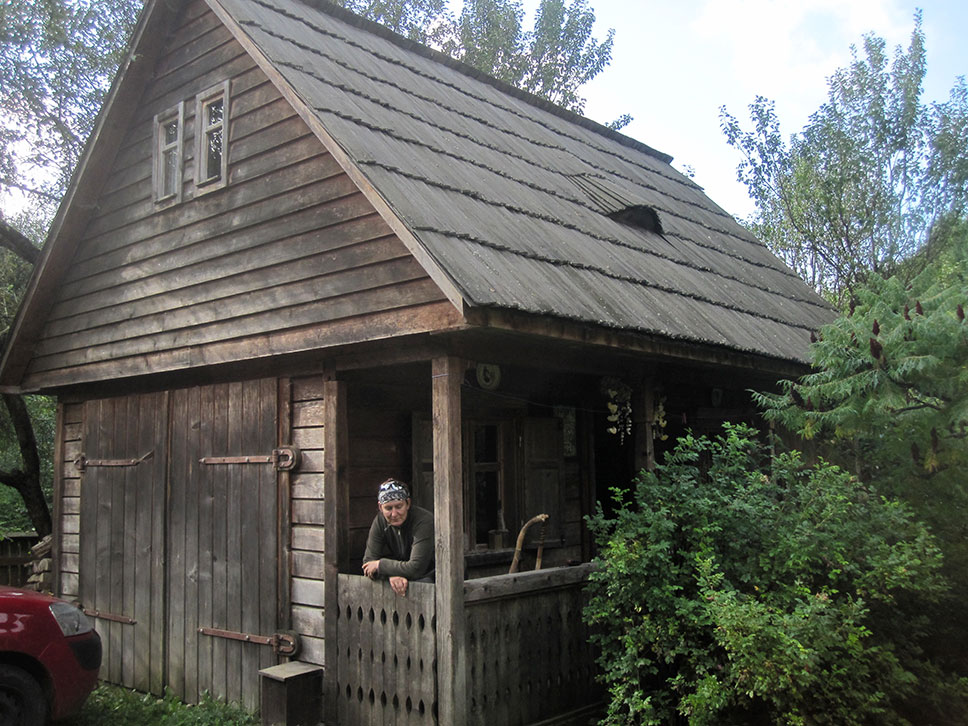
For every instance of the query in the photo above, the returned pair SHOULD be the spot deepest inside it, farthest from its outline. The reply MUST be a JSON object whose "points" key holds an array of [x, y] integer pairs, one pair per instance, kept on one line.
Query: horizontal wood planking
{"points": [[411, 307], [240, 228], [379, 326], [307, 509], [70, 509], [242, 294]]}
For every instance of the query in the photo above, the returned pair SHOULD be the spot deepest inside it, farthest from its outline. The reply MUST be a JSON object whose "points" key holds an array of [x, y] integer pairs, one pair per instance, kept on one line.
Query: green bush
{"points": [[736, 588]]}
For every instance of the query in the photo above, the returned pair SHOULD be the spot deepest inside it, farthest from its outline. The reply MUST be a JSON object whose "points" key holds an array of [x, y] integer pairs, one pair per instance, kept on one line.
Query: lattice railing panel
{"points": [[529, 658], [387, 653]]}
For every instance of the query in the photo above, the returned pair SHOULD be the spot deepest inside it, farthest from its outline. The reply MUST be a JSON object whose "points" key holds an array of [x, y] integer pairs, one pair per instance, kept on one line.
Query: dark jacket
{"points": [[404, 551]]}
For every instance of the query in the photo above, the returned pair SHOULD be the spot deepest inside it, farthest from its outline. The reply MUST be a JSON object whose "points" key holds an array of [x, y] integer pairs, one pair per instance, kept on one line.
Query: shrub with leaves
{"points": [[736, 588]]}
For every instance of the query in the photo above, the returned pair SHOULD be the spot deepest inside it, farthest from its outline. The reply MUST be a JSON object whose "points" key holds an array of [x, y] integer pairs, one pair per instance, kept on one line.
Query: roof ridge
{"points": [[372, 26]]}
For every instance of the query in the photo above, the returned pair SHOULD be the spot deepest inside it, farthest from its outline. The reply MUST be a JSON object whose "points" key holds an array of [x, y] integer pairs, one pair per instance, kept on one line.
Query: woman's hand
{"points": [[399, 585], [371, 568]]}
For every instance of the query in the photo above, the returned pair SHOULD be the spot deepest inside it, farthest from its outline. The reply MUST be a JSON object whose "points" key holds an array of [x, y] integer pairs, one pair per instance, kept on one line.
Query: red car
{"points": [[49, 657]]}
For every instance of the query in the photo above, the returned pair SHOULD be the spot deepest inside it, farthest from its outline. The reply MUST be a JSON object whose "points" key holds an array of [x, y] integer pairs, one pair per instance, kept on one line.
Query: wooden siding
{"points": [[308, 520], [289, 252], [68, 492]]}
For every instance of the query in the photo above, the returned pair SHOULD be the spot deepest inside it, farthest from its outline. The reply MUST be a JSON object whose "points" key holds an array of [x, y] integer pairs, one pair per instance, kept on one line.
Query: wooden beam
{"points": [[447, 374], [497, 587], [630, 342], [336, 498], [380, 326], [284, 508], [643, 421]]}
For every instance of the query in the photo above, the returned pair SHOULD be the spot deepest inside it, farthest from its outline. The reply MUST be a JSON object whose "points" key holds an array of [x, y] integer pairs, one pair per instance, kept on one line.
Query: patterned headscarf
{"points": [[391, 490]]}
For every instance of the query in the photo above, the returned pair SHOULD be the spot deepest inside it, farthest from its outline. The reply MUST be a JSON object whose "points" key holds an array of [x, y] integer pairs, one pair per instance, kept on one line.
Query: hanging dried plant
{"points": [[618, 401]]}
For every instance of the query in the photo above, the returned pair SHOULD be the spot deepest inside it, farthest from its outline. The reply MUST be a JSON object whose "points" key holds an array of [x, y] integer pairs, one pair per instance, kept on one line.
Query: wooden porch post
{"points": [[336, 498], [643, 412], [449, 526]]}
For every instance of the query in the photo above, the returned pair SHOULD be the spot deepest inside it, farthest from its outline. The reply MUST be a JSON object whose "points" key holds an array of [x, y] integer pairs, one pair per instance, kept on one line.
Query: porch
{"points": [[527, 657], [483, 645]]}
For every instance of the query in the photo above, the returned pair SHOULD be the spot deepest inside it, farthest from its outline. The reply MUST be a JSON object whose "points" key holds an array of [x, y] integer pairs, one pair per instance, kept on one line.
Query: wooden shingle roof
{"points": [[511, 198]]}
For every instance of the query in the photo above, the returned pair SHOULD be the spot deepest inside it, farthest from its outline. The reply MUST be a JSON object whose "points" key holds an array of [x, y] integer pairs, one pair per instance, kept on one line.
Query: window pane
{"points": [[169, 172], [214, 111], [213, 162], [171, 132], [485, 443]]}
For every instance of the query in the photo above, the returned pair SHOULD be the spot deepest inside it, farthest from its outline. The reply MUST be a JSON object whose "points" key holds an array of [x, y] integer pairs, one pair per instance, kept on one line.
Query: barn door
{"points": [[223, 539], [122, 548]]}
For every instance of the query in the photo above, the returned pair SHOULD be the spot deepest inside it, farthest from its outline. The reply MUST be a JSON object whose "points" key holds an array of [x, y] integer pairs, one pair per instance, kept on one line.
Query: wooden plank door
{"points": [[122, 524], [223, 539], [542, 460]]}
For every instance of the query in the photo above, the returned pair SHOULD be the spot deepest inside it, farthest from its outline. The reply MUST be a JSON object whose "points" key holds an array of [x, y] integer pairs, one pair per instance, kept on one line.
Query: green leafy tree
{"points": [[859, 189], [888, 397], [552, 60], [57, 60], [419, 20], [740, 588]]}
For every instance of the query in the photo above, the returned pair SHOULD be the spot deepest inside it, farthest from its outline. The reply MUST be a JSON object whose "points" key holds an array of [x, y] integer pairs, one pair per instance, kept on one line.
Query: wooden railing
{"points": [[387, 653], [528, 650], [528, 655]]}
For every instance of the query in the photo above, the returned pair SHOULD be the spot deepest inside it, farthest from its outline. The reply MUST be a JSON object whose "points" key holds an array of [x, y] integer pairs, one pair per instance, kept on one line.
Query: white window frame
{"points": [[163, 148], [205, 182]]}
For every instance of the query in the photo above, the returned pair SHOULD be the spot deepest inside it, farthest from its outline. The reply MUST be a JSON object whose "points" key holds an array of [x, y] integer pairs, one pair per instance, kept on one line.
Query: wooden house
{"points": [[302, 254]]}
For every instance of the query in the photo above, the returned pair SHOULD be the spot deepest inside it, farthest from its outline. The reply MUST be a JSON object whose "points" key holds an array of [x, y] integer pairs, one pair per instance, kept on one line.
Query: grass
{"points": [[109, 705]]}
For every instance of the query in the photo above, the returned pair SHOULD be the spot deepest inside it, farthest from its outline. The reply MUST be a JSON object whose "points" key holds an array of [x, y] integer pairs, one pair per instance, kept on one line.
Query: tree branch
{"points": [[17, 243], [27, 480]]}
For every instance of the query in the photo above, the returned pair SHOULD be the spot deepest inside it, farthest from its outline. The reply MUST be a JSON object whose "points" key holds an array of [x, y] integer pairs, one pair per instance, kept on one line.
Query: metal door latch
{"points": [[286, 643], [81, 462], [283, 459]]}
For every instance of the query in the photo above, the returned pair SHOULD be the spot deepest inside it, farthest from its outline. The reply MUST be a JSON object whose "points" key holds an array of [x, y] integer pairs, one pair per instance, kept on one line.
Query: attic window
{"points": [[168, 154], [211, 138], [639, 215], [623, 203]]}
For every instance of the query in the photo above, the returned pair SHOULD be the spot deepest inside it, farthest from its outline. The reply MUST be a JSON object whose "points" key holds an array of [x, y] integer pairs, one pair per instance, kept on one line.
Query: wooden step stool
{"points": [[291, 694]]}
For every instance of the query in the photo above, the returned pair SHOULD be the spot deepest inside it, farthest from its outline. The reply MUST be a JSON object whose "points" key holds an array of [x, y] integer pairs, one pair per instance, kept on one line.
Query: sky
{"points": [[676, 62]]}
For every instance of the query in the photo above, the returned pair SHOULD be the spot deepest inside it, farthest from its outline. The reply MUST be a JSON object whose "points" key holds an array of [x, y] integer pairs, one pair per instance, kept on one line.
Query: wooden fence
{"points": [[15, 559]]}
